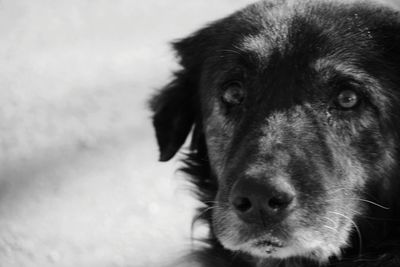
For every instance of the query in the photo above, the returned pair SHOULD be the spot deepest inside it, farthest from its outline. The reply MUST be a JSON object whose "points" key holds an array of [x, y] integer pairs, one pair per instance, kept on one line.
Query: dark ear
{"points": [[175, 107], [174, 114]]}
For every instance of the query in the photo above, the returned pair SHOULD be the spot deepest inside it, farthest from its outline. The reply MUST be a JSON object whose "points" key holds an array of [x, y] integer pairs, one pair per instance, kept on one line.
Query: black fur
{"points": [[278, 64]]}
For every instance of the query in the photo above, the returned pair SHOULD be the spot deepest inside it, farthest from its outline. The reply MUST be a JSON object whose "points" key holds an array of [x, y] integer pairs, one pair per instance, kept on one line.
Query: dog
{"points": [[292, 110]]}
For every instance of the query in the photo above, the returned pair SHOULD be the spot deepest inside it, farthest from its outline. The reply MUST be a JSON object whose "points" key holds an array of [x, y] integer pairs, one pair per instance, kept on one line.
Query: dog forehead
{"points": [[274, 27], [281, 24]]}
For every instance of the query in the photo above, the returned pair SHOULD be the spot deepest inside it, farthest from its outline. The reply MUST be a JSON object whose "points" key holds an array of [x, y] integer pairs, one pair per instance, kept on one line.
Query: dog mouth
{"points": [[269, 245]]}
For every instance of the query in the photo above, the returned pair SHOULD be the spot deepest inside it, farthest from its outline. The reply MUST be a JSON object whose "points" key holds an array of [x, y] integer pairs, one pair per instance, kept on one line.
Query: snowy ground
{"points": [[80, 184]]}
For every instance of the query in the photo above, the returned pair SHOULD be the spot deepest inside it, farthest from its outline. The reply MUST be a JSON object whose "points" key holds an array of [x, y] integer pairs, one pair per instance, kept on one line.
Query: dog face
{"points": [[296, 103]]}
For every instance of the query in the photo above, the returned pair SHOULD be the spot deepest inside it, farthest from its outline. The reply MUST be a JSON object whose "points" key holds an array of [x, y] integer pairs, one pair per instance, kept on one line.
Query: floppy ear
{"points": [[174, 114], [176, 105]]}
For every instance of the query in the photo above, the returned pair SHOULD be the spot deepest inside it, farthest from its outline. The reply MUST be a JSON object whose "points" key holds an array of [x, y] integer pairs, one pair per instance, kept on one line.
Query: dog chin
{"points": [[304, 247]]}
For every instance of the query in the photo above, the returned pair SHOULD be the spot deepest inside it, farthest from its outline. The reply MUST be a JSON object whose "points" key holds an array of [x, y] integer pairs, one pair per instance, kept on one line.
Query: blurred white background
{"points": [[80, 184]]}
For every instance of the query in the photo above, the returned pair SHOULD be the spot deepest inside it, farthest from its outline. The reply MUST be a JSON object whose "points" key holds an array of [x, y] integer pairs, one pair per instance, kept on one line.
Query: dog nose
{"points": [[256, 201]]}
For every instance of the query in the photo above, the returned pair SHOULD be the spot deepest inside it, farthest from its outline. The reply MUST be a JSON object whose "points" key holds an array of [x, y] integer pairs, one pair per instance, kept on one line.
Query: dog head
{"points": [[296, 103]]}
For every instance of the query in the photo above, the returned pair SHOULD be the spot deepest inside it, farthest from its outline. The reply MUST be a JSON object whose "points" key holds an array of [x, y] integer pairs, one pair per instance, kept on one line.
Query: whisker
{"points": [[226, 52], [359, 213], [236, 52], [364, 200], [331, 228], [355, 226], [196, 218], [373, 203], [329, 219], [204, 211], [337, 190]]}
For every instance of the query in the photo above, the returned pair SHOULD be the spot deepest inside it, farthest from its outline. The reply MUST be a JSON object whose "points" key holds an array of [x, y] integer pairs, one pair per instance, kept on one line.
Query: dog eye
{"points": [[233, 93], [347, 99]]}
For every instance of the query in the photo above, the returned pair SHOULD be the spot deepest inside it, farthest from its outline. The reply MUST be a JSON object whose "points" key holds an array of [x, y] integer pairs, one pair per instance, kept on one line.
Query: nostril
{"points": [[242, 204], [281, 201]]}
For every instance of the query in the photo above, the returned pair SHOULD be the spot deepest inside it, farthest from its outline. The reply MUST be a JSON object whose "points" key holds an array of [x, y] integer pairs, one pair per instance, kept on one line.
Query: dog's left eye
{"points": [[233, 93], [348, 99]]}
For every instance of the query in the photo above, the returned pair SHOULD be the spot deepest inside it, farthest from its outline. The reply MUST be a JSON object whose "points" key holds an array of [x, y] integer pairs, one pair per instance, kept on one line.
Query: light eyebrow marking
{"points": [[322, 65], [256, 43], [371, 85]]}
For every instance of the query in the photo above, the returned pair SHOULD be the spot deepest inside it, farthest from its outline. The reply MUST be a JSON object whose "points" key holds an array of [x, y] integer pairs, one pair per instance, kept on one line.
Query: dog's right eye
{"points": [[233, 93]]}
